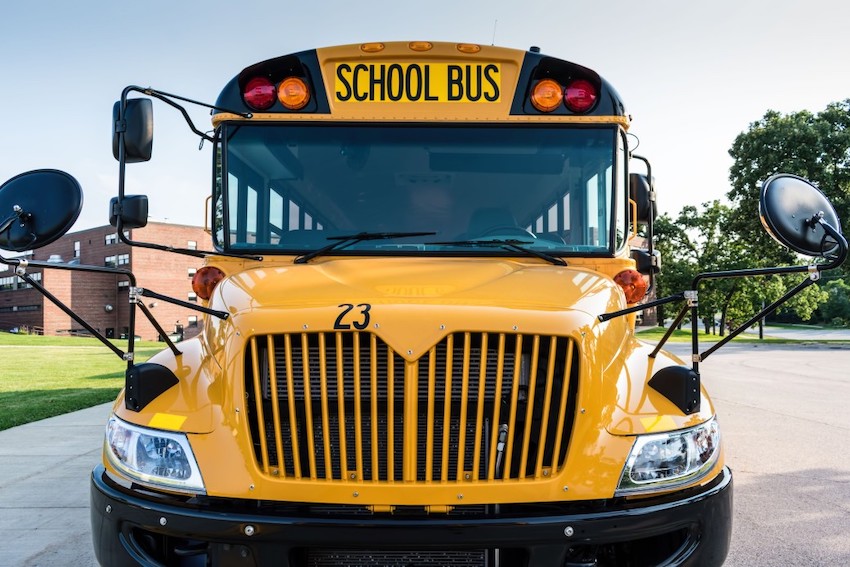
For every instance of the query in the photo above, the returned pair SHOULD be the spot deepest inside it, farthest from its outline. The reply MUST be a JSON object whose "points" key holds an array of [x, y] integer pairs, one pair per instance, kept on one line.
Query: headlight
{"points": [[162, 459], [666, 460]]}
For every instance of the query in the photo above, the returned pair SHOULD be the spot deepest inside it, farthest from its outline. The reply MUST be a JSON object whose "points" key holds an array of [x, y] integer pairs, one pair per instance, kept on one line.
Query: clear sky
{"points": [[693, 74]]}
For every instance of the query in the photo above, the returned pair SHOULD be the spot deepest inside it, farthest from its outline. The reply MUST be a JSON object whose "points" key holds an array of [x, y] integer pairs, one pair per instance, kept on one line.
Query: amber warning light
{"points": [[632, 283], [205, 280], [579, 96]]}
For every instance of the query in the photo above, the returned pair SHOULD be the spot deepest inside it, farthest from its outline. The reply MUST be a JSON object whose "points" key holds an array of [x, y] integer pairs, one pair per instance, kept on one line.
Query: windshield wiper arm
{"points": [[512, 244], [341, 242]]}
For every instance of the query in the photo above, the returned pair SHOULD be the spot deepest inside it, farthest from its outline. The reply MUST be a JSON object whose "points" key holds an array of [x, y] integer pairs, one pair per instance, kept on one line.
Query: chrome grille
{"points": [[344, 406]]}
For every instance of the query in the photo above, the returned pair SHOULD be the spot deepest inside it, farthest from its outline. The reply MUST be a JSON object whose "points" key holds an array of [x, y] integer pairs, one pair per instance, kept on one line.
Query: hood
{"points": [[412, 303]]}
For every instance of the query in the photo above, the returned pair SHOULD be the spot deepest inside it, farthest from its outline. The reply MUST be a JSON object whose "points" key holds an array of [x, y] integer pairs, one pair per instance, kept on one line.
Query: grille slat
{"points": [[475, 407]]}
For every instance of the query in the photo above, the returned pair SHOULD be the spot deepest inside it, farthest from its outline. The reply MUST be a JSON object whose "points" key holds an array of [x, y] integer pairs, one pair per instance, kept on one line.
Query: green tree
{"points": [[813, 146], [836, 309], [701, 239]]}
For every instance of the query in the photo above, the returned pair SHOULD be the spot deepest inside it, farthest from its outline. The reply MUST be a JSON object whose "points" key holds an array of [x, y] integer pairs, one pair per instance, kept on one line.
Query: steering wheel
{"points": [[508, 229]]}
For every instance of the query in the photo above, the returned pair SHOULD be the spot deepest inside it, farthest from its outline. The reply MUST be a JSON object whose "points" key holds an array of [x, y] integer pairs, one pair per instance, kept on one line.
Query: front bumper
{"points": [[691, 527]]}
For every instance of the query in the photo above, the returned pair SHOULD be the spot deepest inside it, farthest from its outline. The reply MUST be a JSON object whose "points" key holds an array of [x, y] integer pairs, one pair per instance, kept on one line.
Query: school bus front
{"points": [[416, 241]]}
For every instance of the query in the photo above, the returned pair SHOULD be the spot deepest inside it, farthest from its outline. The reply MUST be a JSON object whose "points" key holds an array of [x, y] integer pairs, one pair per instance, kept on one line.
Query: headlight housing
{"points": [[663, 461], [160, 459]]}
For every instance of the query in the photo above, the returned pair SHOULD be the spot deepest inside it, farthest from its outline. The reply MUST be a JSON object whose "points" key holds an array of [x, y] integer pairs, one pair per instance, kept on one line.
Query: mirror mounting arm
{"points": [[31, 281]]}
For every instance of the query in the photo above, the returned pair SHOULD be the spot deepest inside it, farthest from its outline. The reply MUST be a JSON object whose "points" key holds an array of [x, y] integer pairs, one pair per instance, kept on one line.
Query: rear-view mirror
{"points": [[639, 192], [136, 125], [133, 211]]}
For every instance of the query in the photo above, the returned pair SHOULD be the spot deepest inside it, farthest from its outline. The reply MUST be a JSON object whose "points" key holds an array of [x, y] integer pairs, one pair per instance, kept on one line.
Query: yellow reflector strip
{"points": [[166, 421], [658, 423]]}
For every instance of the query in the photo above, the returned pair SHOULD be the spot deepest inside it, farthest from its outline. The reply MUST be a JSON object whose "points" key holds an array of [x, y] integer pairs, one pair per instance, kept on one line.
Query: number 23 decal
{"points": [[359, 323]]}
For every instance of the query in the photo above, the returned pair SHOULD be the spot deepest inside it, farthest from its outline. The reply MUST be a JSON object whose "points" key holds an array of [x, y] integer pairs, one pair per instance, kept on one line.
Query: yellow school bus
{"points": [[420, 238], [418, 342]]}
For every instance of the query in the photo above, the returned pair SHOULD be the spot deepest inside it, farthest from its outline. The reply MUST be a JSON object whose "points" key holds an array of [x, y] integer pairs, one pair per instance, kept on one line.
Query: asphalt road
{"points": [[784, 418], [783, 415]]}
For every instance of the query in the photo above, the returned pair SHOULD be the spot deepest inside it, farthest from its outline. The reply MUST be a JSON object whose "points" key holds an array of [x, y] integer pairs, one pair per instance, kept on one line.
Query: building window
{"points": [[192, 272], [110, 239], [7, 283], [76, 249], [193, 296], [193, 320], [110, 261], [123, 259], [192, 245], [123, 285]]}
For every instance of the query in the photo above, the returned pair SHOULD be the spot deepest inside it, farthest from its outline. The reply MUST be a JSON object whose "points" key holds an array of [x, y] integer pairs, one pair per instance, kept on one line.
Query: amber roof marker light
{"points": [[468, 47], [372, 47]]}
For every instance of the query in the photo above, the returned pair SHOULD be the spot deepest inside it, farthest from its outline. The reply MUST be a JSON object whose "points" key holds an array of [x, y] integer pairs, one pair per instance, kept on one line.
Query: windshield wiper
{"points": [[341, 242], [511, 244]]}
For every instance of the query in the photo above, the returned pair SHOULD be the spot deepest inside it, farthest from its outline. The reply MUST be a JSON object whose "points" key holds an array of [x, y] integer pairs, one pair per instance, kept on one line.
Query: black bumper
{"points": [[689, 528]]}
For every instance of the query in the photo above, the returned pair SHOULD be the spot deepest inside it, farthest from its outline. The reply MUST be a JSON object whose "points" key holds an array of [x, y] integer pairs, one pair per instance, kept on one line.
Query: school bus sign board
{"points": [[418, 82]]}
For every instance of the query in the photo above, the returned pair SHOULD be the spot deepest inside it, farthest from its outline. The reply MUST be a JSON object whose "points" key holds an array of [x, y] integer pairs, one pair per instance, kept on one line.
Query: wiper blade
{"points": [[341, 242], [512, 244]]}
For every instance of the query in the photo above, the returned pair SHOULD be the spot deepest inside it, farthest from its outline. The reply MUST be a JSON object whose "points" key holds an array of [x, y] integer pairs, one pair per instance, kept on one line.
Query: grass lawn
{"points": [[45, 376], [684, 336]]}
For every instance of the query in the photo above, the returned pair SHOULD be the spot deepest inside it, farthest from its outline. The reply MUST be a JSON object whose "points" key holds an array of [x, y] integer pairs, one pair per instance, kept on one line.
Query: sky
{"points": [[693, 75]]}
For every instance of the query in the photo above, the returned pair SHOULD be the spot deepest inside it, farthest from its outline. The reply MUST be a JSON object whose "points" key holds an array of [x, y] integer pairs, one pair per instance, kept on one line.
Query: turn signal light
{"points": [[633, 284], [293, 93], [547, 95], [205, 280], [580, 96], [259, 93]]}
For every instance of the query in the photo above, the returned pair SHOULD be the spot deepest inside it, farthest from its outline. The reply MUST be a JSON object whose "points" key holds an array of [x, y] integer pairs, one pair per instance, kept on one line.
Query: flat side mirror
{"points": [[639, 192], [133, 211], [137, 127], [647, 263], [38, 207], [787, 206]]}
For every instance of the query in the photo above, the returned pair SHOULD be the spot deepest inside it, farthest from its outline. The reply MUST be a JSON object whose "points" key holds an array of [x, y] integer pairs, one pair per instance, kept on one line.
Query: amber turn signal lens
{"points": [[547, 95], [205, 280], [633, 284], [293, 93]]}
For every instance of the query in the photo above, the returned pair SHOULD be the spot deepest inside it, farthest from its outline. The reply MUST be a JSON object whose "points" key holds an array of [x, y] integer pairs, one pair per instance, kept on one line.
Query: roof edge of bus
{"points": [[308, 64]]}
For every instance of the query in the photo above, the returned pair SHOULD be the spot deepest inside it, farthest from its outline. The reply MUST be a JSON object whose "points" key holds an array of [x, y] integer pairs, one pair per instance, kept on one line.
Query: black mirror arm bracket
{"points": [[21, 272], [143, 292]]}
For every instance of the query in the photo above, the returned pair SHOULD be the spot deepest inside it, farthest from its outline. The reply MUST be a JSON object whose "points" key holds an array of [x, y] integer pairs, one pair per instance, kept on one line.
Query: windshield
{"points": [[290, 188]]}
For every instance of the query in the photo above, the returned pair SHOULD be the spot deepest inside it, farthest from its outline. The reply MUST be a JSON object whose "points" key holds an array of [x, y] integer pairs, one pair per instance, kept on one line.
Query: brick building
{"points": [[102, 300]]}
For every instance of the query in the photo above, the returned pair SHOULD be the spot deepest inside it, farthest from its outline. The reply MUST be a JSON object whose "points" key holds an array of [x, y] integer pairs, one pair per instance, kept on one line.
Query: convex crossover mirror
{"points": [[37, 207], [791, 210]]}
